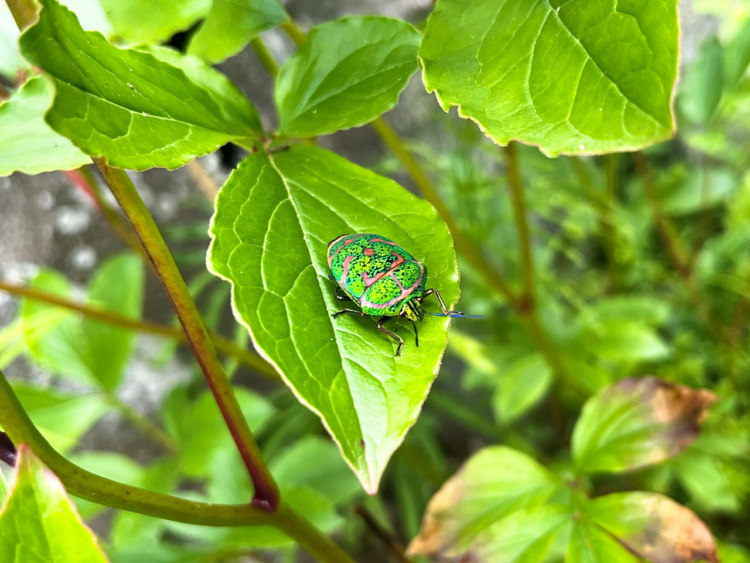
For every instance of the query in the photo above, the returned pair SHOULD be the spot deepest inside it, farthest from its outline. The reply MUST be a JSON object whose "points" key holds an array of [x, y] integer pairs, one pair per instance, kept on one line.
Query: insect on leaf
{"points": [[274, 219]]}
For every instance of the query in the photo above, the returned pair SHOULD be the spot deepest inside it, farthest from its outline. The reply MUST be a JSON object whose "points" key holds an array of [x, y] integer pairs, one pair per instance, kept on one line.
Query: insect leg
{"points": [[396, 337], [416, 334], [350, 311], [440, 300], [340, 295]]}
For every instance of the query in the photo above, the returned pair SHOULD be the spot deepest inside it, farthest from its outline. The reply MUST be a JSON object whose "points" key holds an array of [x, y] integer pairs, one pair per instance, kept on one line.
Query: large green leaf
{"points": [[495, 483], [521, 387], [588, 543], [348, 73], [39, 523], [576, 76], [89, 351], [143, 22], [129, 106], [27, 143], [231, 24], [637, 422], [274, 219]]}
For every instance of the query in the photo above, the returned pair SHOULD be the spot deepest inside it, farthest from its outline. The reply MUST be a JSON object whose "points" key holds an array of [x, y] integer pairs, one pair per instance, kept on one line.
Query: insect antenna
{"points": [[455, 315]]}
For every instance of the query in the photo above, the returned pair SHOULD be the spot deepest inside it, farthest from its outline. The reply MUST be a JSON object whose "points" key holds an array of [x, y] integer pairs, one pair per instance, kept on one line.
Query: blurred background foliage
{"points": [[643, 268]]}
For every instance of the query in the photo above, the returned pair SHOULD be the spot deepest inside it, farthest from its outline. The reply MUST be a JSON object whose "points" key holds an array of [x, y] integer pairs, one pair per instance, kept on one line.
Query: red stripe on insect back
{"points": [[404, 292], [345, 273], [349, 241], [384, 241], [369, 281]]}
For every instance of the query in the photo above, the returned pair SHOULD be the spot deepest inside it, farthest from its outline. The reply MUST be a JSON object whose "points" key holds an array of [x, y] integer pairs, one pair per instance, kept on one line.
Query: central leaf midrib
{"points": [[364, 467]]}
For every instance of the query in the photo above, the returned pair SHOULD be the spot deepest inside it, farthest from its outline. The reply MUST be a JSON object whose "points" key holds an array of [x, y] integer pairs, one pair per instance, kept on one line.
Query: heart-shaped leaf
{"points": [[129, 106], [348, 73], [576, 76], [40, 523], [274, 219]]}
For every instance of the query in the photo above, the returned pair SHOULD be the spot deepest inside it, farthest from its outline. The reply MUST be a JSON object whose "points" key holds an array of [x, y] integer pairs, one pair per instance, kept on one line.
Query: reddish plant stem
{"points": [[266, 491], [388, 539]]}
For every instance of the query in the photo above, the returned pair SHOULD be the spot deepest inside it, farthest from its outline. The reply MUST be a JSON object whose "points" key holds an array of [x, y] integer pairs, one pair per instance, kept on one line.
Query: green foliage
{"points": [[274, 218], [348, 73], [39, 522], [31, 146], [639, 265], [546, 73], [230, 25], [88, 351], [129, 106]]}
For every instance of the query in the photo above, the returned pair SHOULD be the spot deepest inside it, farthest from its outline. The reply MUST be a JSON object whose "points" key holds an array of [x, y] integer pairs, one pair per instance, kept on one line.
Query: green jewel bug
{"points": [[383, 279]]}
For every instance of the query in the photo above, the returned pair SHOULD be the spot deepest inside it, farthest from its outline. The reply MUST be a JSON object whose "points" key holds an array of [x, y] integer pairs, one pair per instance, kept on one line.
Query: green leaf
{"points": [[495, 483], [348, 73], [654, 527], [316, 463], [129, 106], [232, 24], [89, 351], [61, 417], [200, 429], [10, 59], [623, 342], [701, 188], [144, 22], [274, 219], [526, 536], [637, 422], [40, 523], [702, 85], [632, 308], [521, 387], [27, 143], [737, 56], [589, 543], [582, 76]]}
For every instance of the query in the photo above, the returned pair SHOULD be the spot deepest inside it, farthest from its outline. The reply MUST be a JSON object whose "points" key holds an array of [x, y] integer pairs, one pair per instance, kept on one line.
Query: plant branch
{"points": [[295, 33], [265, 56], [266, 492], [526, 300], [224, 345], [143, 424], [201, 176], [388, 539], [83, 179], [674, 248], [92, 487]]}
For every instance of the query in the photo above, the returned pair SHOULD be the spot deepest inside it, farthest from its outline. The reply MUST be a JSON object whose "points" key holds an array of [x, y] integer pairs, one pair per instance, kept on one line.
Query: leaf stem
{"points": [[265, 56], [266, 492], [201, 176], [674, 249], [224, 345], [92, 487], [388, 539], [83, 179], [526, 299], [295, 32], [143, 424], [526, 305]]}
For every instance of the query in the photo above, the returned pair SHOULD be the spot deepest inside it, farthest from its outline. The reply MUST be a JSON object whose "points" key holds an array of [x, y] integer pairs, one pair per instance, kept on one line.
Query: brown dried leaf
{"points": [[494, 483], [638, 422], [654, 527]]}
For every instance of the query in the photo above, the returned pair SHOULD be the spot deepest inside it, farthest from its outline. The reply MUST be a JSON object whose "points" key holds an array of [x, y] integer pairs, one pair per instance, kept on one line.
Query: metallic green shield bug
{"points": [[383, 279]]}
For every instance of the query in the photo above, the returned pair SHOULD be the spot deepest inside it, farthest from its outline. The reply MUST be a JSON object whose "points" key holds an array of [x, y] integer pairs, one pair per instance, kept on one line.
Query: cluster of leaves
{"points": [[614, 300]]}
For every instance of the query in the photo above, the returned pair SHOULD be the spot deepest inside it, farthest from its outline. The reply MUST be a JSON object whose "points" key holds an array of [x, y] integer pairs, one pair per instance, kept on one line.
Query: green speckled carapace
{"points": [[382, 278], [377, 274]]}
